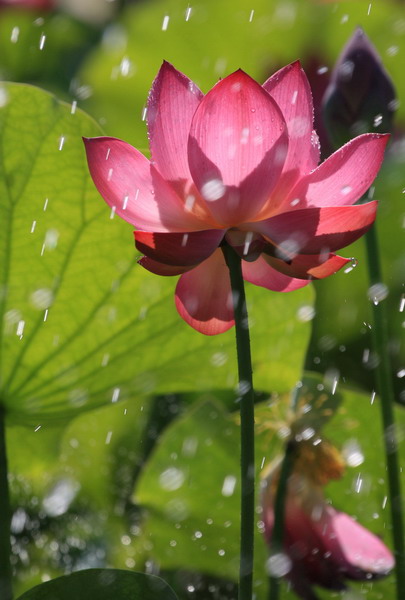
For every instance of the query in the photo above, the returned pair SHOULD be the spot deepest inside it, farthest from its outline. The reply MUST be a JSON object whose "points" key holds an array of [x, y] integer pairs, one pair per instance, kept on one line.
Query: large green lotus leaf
{"points": [[82, 323], [103, 584], [189, 489]]}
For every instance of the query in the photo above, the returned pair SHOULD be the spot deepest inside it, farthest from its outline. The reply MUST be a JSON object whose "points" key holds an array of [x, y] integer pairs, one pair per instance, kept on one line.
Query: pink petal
{"points": [[261, 273], [172, 102], [134, 189], [203, 296], [178, 249], [343, 177], [160, 269], [317, 230], [362, 551], [237, 147], [290, 89], [308, 266]]}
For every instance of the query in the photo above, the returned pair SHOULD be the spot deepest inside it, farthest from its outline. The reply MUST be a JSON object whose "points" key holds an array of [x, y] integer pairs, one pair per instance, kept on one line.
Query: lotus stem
{"points": [[385, 391], [246, 396], [6, 591]]}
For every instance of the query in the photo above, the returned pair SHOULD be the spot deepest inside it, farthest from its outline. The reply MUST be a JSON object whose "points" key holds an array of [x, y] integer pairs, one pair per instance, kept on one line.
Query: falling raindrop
{"points": [[165, 22], [305, 313], [352, 453], [377, 292], [42, 41], [15, 32], [278, 565], [377, 120], [228, 487], [212, 190]]}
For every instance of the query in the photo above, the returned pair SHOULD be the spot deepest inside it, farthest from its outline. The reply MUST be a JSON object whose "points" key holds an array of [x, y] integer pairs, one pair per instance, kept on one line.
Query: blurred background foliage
{"points": [[123, 433]]}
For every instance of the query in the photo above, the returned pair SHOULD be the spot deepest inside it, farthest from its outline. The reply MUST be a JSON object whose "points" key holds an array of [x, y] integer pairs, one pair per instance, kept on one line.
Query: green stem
{"points": [[386, 393], [277, 535], [6, 592], [247, 423]]}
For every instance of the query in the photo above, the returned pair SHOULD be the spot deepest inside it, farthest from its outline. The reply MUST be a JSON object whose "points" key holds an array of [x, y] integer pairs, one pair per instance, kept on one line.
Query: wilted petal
{"points": [[317, 230], [134, 189], [343, 177], [237, 147], [172, 102], [261, 273], [204, 298], [178, 249]]}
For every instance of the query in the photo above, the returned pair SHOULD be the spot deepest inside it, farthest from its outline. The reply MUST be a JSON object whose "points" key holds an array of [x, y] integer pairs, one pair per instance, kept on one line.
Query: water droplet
{"points": [[278, 565], [171, 479], [42, 298], [213, 190], [165, 22], [252, 12], [305, 313], [377, 292], [15, 32], [188, 13], [377, 120], [228, 487], [352, 453], [346, 189], [74, 106], [42, 41]]}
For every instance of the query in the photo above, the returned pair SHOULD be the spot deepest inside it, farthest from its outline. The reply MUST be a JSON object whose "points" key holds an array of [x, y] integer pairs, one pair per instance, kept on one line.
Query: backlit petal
{"points": [[290, 89], [172, 102], [178, 249], [317, 230], [261, 273], [237, 147], [309, 266], [134, 189], [161, 269], [204, 298], [343, 177]]}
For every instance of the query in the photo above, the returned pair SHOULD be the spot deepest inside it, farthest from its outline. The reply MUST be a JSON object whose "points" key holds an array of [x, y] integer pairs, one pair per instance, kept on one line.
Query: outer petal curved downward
{"points": [[237, 147], [343, 177], [262, 274], [309, 266], [178, 249], [203, 296], [316, 230], [134, 188], [161, 269], [172, 102]]}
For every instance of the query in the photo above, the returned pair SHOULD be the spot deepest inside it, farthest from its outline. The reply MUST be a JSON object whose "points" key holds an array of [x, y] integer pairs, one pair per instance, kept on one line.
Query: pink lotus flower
{"points": [[236, 166], [322, 546]]}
